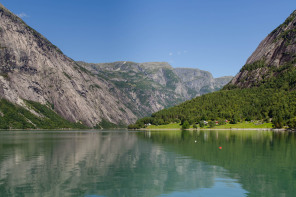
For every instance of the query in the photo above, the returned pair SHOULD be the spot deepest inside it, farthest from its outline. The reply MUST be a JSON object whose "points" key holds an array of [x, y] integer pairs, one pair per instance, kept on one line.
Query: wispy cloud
{"points": [[22, 15], [178, 53]]}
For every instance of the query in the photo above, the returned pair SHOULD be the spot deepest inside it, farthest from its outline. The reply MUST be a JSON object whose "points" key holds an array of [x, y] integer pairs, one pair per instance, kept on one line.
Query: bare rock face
{"points": [[34, 69], [199, 82], [275, 51]]}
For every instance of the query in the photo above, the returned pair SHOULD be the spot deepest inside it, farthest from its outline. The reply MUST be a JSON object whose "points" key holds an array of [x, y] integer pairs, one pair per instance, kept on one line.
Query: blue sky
{"points": [[213, 35]]}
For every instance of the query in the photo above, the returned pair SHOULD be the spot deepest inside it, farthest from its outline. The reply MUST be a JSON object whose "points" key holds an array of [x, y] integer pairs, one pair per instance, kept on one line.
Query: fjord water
{"points": [[156, 163]]}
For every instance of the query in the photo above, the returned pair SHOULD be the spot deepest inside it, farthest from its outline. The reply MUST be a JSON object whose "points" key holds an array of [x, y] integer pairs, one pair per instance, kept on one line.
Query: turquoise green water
{"points": [[164, 163]]}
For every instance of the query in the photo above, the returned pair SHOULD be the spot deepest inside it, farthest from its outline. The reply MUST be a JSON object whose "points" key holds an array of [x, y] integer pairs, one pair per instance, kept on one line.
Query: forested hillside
{"points": [[36, 116], [264, 89]]}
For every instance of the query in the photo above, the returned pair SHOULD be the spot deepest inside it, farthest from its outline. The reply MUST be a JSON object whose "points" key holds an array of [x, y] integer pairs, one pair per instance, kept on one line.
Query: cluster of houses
{"points": [[216, 122], [205, 122]]}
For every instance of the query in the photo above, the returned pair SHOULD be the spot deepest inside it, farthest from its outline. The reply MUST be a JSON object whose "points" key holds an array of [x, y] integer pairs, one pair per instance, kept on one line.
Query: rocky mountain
{"points": [[37, 79], [274, 55], [34, 69], [199, 82], [152, 86]]}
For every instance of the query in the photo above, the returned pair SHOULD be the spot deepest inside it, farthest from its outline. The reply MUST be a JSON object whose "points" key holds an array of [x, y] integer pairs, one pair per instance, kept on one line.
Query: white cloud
{"points": [[22, 15], [178, 52]]}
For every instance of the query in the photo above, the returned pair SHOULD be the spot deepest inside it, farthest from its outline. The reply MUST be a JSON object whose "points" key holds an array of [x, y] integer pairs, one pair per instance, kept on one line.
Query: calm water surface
{"points": [[164, 163]]}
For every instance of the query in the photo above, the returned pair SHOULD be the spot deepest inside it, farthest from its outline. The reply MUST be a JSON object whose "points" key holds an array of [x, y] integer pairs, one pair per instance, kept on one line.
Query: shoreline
{"points": [[161, 129], [62, 129], [248, 129]]}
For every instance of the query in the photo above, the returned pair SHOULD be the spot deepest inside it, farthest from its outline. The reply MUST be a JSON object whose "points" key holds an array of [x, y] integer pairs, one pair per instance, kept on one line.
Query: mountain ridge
{"points": [[153, 81], [147, 67]]}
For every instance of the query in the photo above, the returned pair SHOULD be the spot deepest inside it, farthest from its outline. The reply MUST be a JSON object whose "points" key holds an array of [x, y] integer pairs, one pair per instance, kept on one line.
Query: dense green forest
{"points": [[271, 99], [16, 117]]}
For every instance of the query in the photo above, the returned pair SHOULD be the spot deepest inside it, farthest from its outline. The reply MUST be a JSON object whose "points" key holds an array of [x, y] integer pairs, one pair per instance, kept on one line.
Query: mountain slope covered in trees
{"points": [[264, 89]]}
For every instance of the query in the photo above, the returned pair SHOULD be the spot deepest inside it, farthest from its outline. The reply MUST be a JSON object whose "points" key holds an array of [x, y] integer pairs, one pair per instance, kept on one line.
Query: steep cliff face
{"points": [[152, 86], [200, 82], [33, 69], [274, 53]]}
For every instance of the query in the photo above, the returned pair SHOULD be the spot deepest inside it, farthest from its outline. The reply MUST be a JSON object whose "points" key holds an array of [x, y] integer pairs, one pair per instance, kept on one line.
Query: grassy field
{"points": [[167, 126], [244, 125], [241, 125]]}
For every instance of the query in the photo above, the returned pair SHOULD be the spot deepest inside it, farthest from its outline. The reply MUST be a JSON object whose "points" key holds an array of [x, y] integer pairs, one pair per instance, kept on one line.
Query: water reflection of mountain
{"points": [[108, 164], [262, 161]]}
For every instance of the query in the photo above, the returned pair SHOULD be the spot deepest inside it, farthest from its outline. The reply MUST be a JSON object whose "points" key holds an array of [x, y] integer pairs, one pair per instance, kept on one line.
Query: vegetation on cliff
{"points": [[16, 117]]}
